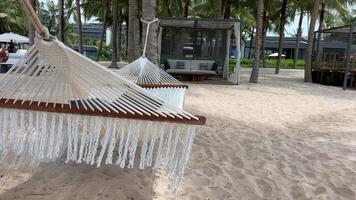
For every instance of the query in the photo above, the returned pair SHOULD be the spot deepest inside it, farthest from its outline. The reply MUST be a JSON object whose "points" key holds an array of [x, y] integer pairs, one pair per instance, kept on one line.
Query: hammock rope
{"points": [[155, 80]]}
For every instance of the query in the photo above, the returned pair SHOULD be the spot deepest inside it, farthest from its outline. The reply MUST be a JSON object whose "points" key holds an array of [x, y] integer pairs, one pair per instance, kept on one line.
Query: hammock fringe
{"points": [[30, 137]]}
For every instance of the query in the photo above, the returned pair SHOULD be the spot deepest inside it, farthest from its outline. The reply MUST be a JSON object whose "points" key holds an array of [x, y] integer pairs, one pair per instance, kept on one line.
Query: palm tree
{"points": [[48, 14], [186, 8], [308, 58], [299, 35], [61, 23], [114, 33], [251, 40], [264, 34], [149, 13], [281, 34], [119, 35], [227, 12], [31, 29], [321, 25], [259, 23], [89, 12], [133, 31], [79, 23]]}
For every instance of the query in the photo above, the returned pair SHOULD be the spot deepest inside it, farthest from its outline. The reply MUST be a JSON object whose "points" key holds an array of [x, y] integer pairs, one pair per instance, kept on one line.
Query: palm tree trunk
{"points": [[264, 33], [321, 25], [104, 29], [281, 35], [114, 33], [31, 29], [186, 8], [118, 41], [259, 23], [299, 34], [308, 58], [79, 23], [251, 40], [227, 12], [61, 20], [133, 31], [149, 13]]}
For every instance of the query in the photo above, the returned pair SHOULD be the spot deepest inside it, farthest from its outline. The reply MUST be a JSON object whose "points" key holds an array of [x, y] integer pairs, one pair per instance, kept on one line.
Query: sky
{"points": [[291, 28]]}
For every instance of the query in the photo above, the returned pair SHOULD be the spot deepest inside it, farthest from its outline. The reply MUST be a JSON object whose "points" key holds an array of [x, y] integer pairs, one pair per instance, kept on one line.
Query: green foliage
{"points": [[106, 54], [270, 63], [12, 18]]}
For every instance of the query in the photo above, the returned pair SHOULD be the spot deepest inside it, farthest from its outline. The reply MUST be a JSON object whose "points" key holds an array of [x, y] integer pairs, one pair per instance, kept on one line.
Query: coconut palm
{"points": [[299, 34], [133, 31], [100, 10], [79, 23], [270, 17], [61, 23], [31, 29], [114, 33], [308, 58], [281, 34], [48, 14], [259, 24]]}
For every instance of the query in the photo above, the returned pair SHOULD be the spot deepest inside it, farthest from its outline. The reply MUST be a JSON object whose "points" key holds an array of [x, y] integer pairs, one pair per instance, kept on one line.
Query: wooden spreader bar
{"points": [[73, 109], [163, 86]]}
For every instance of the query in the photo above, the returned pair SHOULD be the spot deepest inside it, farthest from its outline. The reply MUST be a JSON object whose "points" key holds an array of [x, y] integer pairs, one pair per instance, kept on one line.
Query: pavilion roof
{"points": [[340, 29], [200, 23]]}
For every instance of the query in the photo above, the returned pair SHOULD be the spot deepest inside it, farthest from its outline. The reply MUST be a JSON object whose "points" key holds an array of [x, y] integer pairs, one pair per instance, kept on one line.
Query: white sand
{"points": [[279, 139]]}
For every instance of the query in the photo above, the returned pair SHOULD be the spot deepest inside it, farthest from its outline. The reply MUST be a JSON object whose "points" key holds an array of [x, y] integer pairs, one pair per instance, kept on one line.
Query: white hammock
{"points": [[55, 102], [155, 80]]}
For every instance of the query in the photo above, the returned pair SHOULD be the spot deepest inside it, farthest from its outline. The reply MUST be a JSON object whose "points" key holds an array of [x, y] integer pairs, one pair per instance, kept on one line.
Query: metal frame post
{"points": [[347, 64]]}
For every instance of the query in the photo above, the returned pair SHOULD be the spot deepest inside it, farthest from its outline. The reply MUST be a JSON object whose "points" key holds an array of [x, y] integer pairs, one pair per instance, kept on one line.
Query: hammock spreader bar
{"points": [[163, 86], [80, 110]]}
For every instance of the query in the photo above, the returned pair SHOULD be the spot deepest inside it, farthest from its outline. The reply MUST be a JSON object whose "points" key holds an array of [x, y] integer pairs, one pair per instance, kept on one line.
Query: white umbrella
{"points": [[7, 37], [276, 55]]}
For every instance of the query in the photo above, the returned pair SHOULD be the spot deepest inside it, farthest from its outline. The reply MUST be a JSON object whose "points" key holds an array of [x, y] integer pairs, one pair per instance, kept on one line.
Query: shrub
{"points": [[270, 63]]}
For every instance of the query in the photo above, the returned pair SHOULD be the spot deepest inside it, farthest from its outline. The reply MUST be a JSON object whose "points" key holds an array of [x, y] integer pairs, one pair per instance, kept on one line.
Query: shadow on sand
{"points": [[79, 181]]}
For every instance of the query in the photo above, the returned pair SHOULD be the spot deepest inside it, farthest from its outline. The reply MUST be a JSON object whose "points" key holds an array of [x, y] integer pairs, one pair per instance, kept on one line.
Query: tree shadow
{"points": [[80, 181]]}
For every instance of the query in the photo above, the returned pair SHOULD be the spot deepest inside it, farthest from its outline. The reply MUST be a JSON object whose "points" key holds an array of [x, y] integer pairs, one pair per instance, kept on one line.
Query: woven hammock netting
{"points": [[57, 104], [155, 80]]}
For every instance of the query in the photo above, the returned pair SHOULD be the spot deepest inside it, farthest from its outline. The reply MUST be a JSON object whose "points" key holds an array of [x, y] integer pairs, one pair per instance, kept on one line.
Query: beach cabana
{"points": [[334, 56], [198, 47]]}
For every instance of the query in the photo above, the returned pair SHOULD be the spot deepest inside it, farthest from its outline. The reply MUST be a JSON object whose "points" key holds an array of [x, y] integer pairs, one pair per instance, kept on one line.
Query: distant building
{"points": [[123, 34], [271, 46], [92, 31]]}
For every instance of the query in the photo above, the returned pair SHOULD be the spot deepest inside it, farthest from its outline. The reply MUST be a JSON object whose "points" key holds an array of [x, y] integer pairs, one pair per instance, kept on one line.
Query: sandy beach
{"points": [[279, 139]]}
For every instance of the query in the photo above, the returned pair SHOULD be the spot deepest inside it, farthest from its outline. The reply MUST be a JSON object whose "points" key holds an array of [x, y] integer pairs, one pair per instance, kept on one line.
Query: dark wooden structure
{"points": [[337, 65]]}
